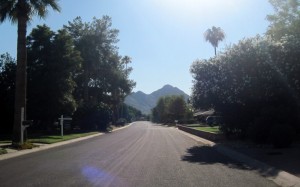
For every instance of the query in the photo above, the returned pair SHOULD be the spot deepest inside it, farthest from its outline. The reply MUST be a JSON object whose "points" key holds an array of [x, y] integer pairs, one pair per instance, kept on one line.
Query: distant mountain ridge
{"points": [[145, 102]]}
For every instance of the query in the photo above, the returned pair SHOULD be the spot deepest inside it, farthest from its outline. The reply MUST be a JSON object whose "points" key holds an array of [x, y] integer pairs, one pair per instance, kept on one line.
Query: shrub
{"points": [[25, 145], [2, 151], [254, 85], [281, 136]]}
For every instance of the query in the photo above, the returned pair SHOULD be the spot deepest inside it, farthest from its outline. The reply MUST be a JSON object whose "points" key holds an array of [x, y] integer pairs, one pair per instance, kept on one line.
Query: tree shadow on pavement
{"points": [[207, 155]]}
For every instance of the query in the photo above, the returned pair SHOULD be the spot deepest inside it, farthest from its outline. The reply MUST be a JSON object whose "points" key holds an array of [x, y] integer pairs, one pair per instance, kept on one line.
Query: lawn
{"points": [[49, 139], [214, 129]]}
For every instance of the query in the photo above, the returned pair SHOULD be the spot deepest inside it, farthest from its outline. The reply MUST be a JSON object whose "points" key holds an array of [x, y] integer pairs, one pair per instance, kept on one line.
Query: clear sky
{"points": [[163, 37]]}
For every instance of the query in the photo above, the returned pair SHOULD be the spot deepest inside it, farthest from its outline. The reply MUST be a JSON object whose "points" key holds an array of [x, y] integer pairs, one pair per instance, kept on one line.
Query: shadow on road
{"points": [[208, 155]]}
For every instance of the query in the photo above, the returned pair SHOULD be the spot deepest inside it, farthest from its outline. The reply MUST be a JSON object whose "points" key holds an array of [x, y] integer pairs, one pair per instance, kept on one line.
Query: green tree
{"points": [[177, 108], [7, 92], [105, 74], [285, 20], [53, 64], [132, 113], [253, 85], [214, 36], [170, 108], [21, 11], [96, 42]]}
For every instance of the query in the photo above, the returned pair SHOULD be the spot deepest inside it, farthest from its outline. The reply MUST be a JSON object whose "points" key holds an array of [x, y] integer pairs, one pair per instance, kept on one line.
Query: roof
{"points": [[204, 113]]}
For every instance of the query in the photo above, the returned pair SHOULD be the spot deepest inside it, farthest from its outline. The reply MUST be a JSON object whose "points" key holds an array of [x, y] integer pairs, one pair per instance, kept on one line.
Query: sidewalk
{"points": [[287, 159]]}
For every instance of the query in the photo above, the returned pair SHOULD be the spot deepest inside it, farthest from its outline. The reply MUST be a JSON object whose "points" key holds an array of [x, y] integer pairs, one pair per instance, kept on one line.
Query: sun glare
{"points": [[203, 7]]}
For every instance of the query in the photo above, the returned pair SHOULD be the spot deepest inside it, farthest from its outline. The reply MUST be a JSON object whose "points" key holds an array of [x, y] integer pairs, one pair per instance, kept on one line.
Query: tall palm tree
{"points": [[214, 36], [21, 12]]}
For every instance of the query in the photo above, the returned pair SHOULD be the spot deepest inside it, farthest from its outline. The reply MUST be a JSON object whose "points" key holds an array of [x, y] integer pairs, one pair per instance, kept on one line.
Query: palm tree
{"points": [[214, 36], [21, 12]]}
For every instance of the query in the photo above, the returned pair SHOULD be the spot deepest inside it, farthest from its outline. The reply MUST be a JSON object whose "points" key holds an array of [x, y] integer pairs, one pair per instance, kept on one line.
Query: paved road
{"points": [[140, 155]]}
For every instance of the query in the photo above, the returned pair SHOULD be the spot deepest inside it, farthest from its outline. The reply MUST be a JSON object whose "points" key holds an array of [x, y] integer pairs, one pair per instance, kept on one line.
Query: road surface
{"points": [[141, 155]]}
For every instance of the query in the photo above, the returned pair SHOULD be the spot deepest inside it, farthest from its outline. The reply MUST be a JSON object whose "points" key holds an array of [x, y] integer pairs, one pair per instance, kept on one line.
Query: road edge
{"points": [[49, 146]]}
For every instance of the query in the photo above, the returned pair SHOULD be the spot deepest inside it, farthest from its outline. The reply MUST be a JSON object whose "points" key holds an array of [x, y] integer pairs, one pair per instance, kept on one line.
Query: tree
{"points": [[169, 109], [177, 108], [96, 42], [105, 74], [214, 36], [7, 92], [254, 85], [21, 11], [285, 20], [53, 64]]}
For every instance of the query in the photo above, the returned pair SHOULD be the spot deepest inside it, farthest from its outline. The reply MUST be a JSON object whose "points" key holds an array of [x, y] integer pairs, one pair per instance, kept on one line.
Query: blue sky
{"points": [[163, 37]]}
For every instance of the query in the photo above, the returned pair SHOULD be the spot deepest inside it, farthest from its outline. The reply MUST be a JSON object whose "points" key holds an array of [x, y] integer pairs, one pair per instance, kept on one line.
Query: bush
{"points": [[254, 85], [25, 145], [281, 136], [2, 151], [259, 131]]}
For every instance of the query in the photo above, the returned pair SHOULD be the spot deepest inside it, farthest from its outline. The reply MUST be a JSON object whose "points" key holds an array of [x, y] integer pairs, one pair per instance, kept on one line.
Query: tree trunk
{"points": [[21, 80], [215, 51], [86, 86]]}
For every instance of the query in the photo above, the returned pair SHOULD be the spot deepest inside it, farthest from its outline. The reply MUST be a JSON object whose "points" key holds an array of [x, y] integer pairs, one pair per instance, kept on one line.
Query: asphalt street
{"points": [[141, 155]]}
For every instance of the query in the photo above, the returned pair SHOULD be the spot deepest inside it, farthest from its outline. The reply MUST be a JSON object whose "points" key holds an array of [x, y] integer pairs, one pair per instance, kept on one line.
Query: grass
{"points": [[197, 125], [5, 138], [49, 139], [2, 151], [214, 129], [46, 139], [5, 141]]}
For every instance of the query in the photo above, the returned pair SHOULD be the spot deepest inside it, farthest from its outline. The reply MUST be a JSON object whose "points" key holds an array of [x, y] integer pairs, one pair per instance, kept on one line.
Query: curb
{"points": [[49, 146], [282, 178]]}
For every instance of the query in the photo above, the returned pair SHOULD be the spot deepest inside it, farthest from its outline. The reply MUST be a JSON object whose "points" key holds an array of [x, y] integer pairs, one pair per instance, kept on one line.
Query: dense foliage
{"points": [[75, 70], [52, 65], [285, 20], [7, 91], [171, 108], [104, 76], [22, 12], [129, 113], [252, 84], [255, 84]]}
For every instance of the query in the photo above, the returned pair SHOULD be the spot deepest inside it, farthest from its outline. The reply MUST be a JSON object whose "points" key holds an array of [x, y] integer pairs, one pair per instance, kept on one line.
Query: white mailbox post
{"points": [[24, 124], [62, 124]]}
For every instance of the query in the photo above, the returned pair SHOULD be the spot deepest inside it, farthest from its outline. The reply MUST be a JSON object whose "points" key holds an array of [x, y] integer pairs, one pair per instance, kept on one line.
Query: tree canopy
{"points": [[52, 66], [170, 108], [21, 12], [252, 83], [214, 36], [286, 19], [73, 71], [255, 84]]}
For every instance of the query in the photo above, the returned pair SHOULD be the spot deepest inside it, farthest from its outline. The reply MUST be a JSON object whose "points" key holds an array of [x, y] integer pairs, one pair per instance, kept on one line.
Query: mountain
{"points": [[145, 102]]}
